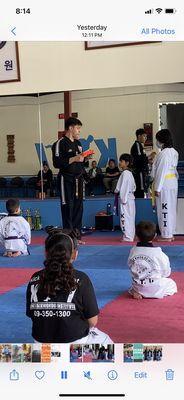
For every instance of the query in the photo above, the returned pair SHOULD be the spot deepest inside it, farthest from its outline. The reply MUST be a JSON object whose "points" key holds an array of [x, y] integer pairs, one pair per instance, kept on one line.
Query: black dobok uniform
{"points": [[140, 168], [70, 181], [62, 318]]}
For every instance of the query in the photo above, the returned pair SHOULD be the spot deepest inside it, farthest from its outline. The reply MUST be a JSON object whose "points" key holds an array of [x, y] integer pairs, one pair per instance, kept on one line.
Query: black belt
{"points": [[12, 237], [16, 237]]}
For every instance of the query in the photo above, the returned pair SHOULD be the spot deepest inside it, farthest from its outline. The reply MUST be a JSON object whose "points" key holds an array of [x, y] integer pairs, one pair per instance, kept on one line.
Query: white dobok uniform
{"points": [[126, 187], [150, 269], [166, 182], [95, 336], [15, 233]]}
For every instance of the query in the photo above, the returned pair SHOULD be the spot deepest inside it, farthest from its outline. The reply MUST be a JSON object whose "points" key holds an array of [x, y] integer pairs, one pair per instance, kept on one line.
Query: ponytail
{"points": [[59, 272]]}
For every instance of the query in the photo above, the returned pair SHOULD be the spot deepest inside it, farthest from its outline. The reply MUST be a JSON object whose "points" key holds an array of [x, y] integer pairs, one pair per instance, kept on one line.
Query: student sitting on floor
{"points": [[15, 232], [60, 300], [150, 267]]}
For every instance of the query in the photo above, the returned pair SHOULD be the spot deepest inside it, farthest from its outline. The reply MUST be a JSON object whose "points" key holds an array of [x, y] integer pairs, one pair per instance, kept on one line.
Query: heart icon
{"points": [[39, 374]]}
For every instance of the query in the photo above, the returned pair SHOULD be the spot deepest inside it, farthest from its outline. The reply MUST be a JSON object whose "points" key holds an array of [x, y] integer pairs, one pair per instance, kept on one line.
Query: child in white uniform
{"points": [[15, 232], [150, 267], [126, 187], [166, 184]]}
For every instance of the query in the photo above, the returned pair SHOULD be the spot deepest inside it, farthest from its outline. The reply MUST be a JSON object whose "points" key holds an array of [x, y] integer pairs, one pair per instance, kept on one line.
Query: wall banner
{"points": [[9, 62]]}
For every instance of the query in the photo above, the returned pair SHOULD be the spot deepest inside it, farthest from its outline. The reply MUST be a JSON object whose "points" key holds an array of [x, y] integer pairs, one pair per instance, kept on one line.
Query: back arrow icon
{"points": [[13, 31]]}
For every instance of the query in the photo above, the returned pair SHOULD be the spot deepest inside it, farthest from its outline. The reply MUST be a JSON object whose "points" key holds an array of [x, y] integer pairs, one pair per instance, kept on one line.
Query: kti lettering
{"points": [[164, 207]]}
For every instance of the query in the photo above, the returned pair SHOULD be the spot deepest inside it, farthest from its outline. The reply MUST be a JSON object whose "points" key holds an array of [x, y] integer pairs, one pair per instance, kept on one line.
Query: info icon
{"points": [[112, 375]]}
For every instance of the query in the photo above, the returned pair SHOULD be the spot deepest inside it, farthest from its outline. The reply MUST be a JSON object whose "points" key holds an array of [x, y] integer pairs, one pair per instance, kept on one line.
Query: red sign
{"points": [[61, 116], [148, 128]]}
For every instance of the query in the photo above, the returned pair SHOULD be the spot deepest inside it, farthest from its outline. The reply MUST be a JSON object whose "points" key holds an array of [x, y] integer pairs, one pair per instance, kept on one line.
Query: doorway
{"points": [[172, 118]]}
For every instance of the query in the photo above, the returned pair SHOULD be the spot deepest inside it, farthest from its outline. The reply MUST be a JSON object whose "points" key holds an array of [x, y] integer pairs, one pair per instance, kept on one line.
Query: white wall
{"points": [[122, 98], [119, 112], [105, 113], [58, 66], [18, 117]]}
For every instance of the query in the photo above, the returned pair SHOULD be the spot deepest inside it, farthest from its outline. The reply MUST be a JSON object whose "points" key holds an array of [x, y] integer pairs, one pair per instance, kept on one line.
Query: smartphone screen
{"points": [[91, 307]]}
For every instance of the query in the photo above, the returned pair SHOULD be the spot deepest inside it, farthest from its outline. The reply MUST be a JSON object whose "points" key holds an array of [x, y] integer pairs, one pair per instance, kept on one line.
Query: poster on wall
{"points": [[102, 44], [9, 62], [148, 128]]}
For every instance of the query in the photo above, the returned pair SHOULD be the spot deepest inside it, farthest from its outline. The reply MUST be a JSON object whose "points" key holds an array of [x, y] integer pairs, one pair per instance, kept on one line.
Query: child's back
{"points": [[15, 233], [60, 300], [150, 266]]}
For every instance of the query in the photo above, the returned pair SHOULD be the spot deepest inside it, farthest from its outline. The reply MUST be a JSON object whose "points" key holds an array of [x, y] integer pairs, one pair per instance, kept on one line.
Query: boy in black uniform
{"points": [[140, 163], [67, 157]]}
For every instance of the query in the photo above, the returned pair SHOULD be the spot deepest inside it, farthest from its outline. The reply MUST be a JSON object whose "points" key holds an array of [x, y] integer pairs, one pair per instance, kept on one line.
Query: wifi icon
{"points": [[159, 10]]}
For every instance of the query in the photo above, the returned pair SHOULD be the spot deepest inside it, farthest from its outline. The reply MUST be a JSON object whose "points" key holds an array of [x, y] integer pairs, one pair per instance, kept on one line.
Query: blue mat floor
{"points": [[105, 265]]}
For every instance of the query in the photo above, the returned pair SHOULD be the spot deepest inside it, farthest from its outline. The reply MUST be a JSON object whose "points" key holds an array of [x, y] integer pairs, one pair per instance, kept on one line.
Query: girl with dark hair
{"points": [[60, 300], [126, 187], [164, 139], [166, 184]]}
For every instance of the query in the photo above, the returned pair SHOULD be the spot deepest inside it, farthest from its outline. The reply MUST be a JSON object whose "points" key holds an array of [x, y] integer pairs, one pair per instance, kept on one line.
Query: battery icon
{"points": [[170, 10]]}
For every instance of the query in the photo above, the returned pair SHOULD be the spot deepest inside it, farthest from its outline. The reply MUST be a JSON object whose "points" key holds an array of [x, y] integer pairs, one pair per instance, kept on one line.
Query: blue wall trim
{"points": [[106, 151], [51, 215]]}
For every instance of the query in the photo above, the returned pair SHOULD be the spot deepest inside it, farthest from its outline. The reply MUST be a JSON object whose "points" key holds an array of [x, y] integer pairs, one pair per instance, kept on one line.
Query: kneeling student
{"points": [[150, 266], [15, 232]]}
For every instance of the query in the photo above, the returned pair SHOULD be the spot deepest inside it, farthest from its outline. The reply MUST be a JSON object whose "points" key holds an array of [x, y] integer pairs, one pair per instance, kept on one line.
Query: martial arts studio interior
{"points": [[113, 91]]}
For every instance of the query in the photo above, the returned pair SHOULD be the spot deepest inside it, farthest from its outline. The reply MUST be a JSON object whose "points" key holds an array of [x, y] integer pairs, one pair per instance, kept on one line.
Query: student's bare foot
{"points": [[135, 294], [7, 254], [16, 253], [80, 242], [124, 239], [161, 239]]}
